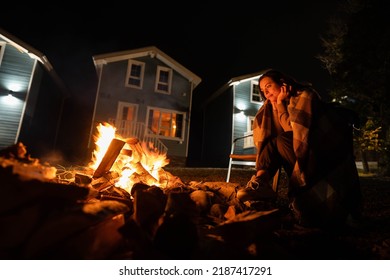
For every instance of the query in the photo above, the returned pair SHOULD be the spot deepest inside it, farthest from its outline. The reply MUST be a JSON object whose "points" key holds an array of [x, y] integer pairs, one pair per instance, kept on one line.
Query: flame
{"points": [[153, 160], [106, 133], [126, 166]]}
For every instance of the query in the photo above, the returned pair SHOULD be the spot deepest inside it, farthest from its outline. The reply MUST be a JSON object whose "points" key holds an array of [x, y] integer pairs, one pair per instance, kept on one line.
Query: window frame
{"points": [[140, 78], [159, 82], [255, 92], [2, 48], [163, 110], [248, 141]]}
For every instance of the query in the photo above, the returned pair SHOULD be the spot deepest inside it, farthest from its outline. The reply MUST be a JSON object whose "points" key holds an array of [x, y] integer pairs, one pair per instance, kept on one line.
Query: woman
{"points": [[312, 141]]}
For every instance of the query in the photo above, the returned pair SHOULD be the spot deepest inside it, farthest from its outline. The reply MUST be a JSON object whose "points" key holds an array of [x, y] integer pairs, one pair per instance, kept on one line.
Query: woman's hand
{"points": [[284, 93]]}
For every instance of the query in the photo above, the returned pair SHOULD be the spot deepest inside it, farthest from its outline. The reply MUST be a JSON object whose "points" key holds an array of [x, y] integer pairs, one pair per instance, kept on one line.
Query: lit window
{"points": [[135, 74], [166, 123]]}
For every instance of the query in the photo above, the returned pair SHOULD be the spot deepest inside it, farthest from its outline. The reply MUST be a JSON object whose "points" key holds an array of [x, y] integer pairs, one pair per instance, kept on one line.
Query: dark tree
{"points": [[356, 54]]}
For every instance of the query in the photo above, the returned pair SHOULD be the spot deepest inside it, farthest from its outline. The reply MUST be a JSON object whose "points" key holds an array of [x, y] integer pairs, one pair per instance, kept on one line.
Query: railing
{"points": [[127, 129]]}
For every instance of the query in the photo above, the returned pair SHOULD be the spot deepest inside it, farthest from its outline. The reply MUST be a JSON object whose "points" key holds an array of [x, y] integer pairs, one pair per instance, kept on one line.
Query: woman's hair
{"points": [[281, 78]]}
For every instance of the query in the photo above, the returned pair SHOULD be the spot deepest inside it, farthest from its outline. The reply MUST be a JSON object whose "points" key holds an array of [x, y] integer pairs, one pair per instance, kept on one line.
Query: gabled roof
{"points": [[231, 82], [25, 48], [152, 51], [34, 54]]}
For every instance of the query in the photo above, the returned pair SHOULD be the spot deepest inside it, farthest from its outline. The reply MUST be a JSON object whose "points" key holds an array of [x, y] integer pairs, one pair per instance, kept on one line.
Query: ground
{"points": [[57, 219], [369, 239]]}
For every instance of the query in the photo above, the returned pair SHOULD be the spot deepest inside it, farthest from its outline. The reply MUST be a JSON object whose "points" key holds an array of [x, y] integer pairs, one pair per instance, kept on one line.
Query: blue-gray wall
{"points": [[112, 90]]}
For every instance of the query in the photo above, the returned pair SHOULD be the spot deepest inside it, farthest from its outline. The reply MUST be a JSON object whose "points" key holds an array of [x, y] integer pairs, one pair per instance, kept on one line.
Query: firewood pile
{"points": [[85, 215]]}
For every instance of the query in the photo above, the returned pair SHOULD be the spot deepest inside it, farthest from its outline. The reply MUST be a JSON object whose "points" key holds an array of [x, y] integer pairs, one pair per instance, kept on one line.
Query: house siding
{"points": [[242, 93], [34, 116], [112, 90], [9, 121], [16, 70]]}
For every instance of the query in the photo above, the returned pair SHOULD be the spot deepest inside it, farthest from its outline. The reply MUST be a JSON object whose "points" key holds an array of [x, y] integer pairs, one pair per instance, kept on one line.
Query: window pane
{"points": [[128, 113], [168, 124], [179, 125], [164, 77], [135, 75], [256, 92], [134, 82], [256, 98], [163, 80], [162, 87], [154, 117], [135, 70], [165, 124]]}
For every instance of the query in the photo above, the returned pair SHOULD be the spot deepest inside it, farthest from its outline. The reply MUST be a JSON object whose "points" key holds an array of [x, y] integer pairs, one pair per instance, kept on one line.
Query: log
{"points": [[137, 151], [109, 158], [106, 181], [127, 152], [146, 177], [132, 140]]}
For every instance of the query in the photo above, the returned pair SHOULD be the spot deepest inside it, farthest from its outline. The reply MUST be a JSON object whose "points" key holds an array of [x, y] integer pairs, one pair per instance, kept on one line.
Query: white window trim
{"points": [[122, 104], [129, 65], [169, 84], [2, 45], [248, 141], [183, 129], [254, 83]]}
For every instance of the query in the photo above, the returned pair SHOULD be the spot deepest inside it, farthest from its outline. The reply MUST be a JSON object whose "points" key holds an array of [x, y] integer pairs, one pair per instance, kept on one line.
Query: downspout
{"points": [[94, 108], [189, 119], [203, 133]]}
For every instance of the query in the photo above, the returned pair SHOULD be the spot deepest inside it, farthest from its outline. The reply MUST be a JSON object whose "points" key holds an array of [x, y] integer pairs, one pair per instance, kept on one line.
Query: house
{"points": [[31, 97], [146, 94], [227, 114]]}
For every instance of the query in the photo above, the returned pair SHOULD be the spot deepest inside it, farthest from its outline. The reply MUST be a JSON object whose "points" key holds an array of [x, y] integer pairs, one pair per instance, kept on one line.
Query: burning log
{"points": [[136, 164], [135, 146], [109, 158], [105, 182], [144, 175], [127, 152], [136, 153]]}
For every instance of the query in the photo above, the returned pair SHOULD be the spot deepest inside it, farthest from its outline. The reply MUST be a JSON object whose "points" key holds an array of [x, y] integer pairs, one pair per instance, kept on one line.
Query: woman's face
{"points": [[270, 89]]}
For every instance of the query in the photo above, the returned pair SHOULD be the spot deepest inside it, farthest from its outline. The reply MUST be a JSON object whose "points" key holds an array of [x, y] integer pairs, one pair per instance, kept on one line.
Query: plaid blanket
{"points": [[322, 141]]}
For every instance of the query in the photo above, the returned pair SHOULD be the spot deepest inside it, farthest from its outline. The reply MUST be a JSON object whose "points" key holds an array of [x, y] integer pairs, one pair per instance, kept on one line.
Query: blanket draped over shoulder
{"points": [[325, 167]]}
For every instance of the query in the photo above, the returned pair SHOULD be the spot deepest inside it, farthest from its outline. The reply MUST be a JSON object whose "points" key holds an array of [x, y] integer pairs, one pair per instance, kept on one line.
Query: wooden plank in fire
{"points": [[109, 158]]}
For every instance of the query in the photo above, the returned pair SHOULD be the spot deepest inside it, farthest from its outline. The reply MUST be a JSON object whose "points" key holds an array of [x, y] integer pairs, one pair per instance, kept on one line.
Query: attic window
{"points": [[163, 80], [255, 92], [135, 74]]}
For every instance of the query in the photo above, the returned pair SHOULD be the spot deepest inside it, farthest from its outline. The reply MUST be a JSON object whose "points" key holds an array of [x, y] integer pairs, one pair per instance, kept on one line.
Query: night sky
{"points": [[216, 43]]}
